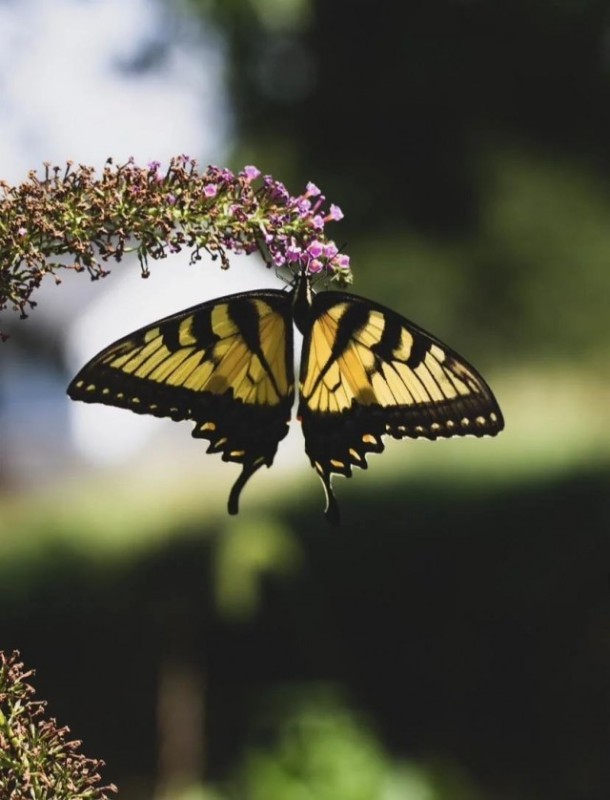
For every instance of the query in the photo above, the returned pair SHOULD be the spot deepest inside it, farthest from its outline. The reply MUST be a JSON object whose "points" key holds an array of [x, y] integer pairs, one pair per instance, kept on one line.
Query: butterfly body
{"points": [[227, 365]]}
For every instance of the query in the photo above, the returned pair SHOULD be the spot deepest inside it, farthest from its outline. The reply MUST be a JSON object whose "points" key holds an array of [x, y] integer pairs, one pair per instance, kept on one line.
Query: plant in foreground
{"points": [[37, 760], [71, 213]]}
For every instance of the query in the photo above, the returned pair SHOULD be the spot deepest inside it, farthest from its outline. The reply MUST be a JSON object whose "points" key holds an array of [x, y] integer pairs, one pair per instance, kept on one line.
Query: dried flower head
{"points": [[37, 761]]}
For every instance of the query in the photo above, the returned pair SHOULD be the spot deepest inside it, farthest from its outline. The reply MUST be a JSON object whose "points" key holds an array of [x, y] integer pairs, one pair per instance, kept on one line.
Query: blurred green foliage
{"points": [[321, 752], [466, 621], [247, 552], [319, 749]]}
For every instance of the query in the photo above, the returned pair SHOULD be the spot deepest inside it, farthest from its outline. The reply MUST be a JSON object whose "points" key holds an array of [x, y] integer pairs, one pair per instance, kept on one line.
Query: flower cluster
{"points": [[36, 759], [286, 242], [70, 213]]}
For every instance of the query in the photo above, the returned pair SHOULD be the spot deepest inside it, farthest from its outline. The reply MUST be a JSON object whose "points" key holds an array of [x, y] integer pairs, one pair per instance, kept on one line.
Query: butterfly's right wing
{"points": [[227, 365], [368, 372]]}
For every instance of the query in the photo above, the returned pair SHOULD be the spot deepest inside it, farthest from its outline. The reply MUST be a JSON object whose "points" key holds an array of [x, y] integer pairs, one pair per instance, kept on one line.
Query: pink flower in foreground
{"points": [[341, 261], [317, 222], [315, 266], [294, 253], [251, 173], [315, 249]]}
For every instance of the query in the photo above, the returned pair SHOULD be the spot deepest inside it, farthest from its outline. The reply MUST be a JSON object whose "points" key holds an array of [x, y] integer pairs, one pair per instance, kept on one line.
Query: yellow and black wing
{"points": [[226, 364], [367, 372]]}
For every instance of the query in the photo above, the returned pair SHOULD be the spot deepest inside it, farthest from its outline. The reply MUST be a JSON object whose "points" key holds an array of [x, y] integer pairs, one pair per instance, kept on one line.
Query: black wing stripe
{"points": [[351, 322], [171, 337]]}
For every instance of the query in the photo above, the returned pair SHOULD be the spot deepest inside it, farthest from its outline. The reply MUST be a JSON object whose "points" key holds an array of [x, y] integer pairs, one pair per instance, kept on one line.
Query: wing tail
{"points": [[332, 512], [248, 470]]}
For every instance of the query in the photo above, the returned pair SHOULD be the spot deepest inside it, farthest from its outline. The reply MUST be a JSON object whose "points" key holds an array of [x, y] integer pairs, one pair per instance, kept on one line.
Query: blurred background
{"points": [[451, 641]]}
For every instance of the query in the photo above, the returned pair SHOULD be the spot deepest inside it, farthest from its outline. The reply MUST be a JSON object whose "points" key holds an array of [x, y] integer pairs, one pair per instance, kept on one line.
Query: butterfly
{"points": [[227, 365]]}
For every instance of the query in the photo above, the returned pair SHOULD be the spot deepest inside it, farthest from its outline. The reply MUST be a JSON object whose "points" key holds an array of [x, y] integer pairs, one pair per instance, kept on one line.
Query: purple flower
{"points": [[311, 190], [211, 190], [315, 265], [317, 222], [22, 231], [335, 213], [341, 261], [171, 199], [251, 173], [330, 250], [226, 175], [153, 166], [276, 189], [303, 206], [293, 253], [217, 175], [315, 249]]}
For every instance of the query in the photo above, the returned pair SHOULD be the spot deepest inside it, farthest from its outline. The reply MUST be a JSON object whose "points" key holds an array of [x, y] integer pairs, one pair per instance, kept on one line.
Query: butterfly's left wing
{"points": [[366, 372], [227, 365]]}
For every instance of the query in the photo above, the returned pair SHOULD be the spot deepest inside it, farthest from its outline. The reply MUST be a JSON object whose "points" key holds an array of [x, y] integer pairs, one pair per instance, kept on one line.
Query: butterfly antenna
{"points": [[247, 472]]}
